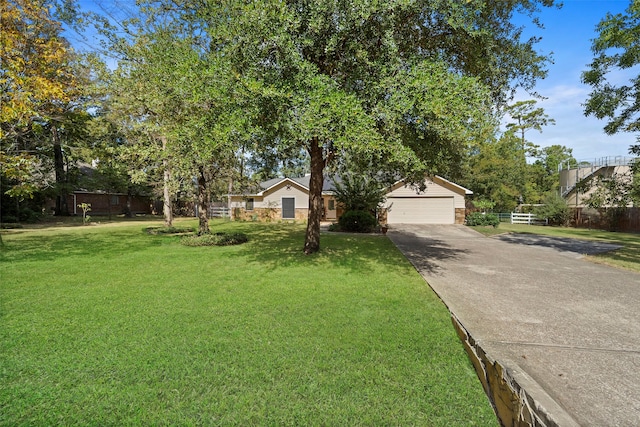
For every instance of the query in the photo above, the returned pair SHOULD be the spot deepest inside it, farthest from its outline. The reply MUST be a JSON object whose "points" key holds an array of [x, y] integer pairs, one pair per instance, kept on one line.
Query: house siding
{"points": [[268, 206], [433, 189]]}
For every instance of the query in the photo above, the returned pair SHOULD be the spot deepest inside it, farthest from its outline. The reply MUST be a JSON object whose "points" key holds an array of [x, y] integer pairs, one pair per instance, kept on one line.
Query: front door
{"points": [[288, 208], [331, 213]]}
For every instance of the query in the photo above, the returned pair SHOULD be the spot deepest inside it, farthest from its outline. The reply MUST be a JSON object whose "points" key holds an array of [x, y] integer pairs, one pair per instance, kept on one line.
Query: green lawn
{"points": [[107, 325], [627, 257]]}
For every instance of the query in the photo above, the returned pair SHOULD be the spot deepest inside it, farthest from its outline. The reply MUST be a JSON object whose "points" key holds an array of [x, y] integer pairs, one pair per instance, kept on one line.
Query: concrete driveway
{"points": [[562, 333]]}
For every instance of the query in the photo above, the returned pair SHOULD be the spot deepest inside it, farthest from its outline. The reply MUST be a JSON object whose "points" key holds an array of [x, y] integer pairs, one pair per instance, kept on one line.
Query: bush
{"points": [[357, 222], [359, 193], [169, 230], [334, 227], [216, 239], [478, 218], [555, 209]]}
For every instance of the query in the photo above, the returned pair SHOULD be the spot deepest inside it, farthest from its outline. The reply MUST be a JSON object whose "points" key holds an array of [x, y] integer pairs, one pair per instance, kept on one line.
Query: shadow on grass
{"points": [[277, 246], [425, 253]]}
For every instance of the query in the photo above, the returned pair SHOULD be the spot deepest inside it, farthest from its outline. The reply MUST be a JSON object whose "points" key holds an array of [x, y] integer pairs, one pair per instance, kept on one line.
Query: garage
{"points": [[436, 201], [421, 210]]}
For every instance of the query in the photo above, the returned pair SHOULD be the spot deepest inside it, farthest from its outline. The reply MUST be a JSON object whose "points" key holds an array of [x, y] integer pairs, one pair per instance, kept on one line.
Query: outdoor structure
{"points": [[441, 202], [577, 183]]}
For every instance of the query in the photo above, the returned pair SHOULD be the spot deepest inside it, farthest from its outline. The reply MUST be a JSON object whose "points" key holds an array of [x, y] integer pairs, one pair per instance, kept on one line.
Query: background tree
{"points": [[41, 105], [526, 117], [545, 172], [616, 49], [496, 172], [174, 98]]}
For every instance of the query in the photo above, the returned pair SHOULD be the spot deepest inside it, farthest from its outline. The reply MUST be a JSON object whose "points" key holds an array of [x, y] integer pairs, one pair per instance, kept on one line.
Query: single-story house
{"points": [[442, 202]]}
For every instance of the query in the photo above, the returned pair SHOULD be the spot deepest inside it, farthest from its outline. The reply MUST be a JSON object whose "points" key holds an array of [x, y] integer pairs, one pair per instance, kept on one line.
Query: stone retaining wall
{"points": [[509, 390]]}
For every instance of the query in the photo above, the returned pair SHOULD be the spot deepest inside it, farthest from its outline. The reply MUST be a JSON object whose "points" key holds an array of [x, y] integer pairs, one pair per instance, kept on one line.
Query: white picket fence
{"points": [[527, 218]]}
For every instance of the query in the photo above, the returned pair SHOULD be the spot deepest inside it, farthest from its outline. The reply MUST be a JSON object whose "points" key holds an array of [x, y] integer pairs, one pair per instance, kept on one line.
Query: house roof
{"points": [[466, 190], [328, 185], [303, 181]]}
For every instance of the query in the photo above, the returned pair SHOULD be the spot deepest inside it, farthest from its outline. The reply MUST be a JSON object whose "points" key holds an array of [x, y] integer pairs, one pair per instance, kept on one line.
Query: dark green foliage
{"points": [[335, 227], [168, 230], [555, 209], [478, 218], [358, 193], [217, 239], [357, 222], [615, 51]]}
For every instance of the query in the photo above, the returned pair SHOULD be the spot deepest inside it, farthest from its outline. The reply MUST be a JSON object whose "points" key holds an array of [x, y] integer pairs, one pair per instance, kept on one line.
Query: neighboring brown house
{"points": [[442, 202], [106, 203]]}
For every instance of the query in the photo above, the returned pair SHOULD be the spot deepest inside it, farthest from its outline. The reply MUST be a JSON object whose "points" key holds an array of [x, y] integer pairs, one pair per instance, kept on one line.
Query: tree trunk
{"points": [[312, 238], [203, 204], [109, 197], [58, 160], [166, 209], [127, 210]]}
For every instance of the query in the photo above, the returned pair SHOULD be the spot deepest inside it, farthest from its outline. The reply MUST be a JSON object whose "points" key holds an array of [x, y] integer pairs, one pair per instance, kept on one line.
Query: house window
{"points": [[332, 205], [249, 204], [115, 200], [288, 208]]}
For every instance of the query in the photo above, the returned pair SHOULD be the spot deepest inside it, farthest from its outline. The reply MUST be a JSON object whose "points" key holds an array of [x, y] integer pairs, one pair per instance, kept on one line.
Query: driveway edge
{"points": [[517, 399]]}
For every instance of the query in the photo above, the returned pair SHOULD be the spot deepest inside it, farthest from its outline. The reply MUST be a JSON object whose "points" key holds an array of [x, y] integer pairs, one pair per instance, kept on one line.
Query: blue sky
{"points": [[568, 34]]}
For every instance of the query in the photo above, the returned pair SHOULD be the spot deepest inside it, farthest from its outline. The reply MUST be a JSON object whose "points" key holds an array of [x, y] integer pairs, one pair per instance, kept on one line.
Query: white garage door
{"points": [[421, 210]]}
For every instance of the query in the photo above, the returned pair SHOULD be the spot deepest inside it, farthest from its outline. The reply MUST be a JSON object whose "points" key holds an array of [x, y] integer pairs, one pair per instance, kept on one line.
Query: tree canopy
{"points": [[41, 102], [405, 84], [616, 50]]}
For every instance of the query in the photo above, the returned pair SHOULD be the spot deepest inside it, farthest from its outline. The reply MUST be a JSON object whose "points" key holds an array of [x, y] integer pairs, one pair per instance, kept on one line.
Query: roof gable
{"points": [[274, 183], [438, 180]]}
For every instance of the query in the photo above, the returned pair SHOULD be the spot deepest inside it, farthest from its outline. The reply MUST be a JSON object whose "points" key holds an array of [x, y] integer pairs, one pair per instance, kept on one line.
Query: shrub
{"points": [[169, 230], [478, 218], [555, 209], [359, 193], [215, 239], [357, 222], [335, 227]]}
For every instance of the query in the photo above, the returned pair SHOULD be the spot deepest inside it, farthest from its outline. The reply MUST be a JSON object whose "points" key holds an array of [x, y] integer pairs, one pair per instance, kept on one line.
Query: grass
{"points": [[108, 325], [627, 257]]}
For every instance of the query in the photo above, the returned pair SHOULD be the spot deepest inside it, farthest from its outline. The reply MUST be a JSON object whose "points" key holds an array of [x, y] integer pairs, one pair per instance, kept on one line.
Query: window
{"points": [[332, 205], [288, 208], [249, 204], [115, 200]]}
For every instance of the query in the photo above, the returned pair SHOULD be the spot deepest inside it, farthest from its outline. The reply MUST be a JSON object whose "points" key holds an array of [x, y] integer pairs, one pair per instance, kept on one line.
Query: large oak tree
{"points": [[404, 83]]}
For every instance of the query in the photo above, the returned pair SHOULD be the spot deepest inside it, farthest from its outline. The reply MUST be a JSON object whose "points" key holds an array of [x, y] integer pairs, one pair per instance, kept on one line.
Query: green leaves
{"points": [[616, 49]]}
